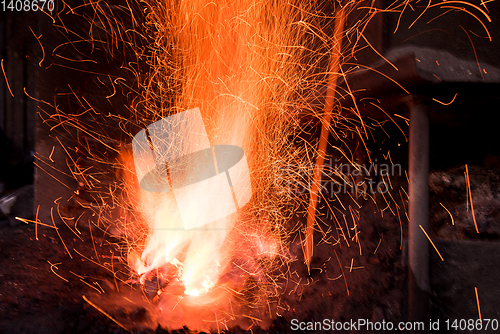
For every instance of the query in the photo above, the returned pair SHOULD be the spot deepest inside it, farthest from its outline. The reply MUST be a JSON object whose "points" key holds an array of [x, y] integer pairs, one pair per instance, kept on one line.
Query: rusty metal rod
{"points": [[325, 130]]}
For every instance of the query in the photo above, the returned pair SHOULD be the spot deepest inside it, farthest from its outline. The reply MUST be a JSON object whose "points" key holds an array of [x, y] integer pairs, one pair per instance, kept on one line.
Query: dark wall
{"points": [[21, 54]]}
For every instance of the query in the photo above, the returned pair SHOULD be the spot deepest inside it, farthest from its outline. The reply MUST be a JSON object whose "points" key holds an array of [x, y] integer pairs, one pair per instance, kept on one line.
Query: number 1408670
{"points": [[27, 5]]}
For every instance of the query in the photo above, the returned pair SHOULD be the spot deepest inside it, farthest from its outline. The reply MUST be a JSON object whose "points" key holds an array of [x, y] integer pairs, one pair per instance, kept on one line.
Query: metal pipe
{"points": [[419, 280]]}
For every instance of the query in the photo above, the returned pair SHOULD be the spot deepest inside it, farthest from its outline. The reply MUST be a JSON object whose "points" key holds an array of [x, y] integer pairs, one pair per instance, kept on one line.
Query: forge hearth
{"points": [[70, 272]]}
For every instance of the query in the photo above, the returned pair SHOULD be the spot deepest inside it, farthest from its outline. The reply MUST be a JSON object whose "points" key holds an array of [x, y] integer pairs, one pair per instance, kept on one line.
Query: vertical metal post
{"points": [[418, 255]]}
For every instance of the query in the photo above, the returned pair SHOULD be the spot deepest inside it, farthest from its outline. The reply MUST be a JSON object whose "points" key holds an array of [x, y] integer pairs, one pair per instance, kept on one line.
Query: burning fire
{"points": [[198, 188], [234, 62]]}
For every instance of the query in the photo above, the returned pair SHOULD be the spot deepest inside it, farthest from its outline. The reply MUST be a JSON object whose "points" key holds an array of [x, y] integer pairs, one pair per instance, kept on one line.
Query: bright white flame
{"points": [[207, 285], [191, 205], [193, 292]]}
